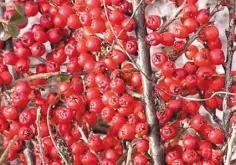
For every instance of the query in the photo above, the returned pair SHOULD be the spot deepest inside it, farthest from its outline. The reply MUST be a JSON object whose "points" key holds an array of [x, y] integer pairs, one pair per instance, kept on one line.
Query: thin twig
{"points": [[171, 19], [122, 159], [85, 139], [51, 134], [129, 154], [194, 37], [196, 34], [178, 136], [35, 77], [231, 141], [213, 94], [133, 93], [39, 137], [40, 59], [83, 136], [44, 76], [233, 109], [5, 153], [212, 112]]}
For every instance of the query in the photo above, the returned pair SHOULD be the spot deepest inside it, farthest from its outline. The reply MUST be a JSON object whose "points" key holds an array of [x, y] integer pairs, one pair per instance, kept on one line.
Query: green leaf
{"points": [[13, 30], [17, 19], [20, 9], [64, 78]]}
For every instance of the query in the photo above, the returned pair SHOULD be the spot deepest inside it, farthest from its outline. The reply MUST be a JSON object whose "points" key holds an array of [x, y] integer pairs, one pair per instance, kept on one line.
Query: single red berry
{"points": [[31, 8], [153, 21]]}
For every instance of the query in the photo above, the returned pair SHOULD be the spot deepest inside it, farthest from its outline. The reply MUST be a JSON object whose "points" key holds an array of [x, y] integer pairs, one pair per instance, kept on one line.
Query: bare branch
{"points": [[156, 145], [28, 153], [228, 64]]}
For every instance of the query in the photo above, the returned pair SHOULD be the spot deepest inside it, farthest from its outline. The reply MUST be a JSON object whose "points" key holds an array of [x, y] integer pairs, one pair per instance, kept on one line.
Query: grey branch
{"points": [[228, 65], [145, 66], [28, 153]]}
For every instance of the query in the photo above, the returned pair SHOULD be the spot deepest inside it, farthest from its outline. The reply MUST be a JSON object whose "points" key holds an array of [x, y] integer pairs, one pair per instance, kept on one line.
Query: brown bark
{"points": [[156, 145], [228, 65], [228, 82]]}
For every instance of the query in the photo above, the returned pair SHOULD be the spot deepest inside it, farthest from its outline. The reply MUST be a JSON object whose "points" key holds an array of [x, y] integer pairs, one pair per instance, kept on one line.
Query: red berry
{"points": [[152, 21], [216, 136], [31, 8], [73, 21]]}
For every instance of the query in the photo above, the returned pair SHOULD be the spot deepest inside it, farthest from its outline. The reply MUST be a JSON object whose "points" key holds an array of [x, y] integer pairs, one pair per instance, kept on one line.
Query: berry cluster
{"points": [[93, 109]]}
